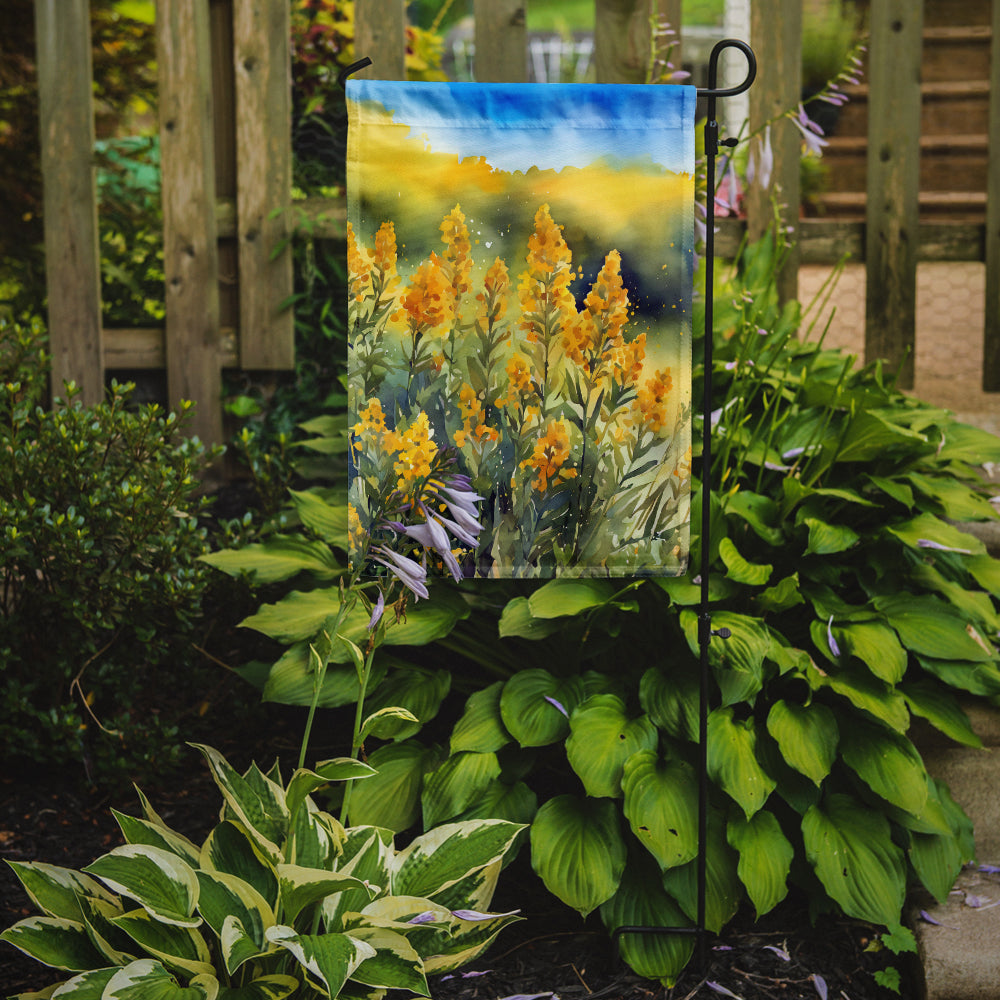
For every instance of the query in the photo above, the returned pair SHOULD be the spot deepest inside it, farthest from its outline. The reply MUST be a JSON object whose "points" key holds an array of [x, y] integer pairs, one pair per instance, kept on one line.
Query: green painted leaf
{"points": [[481, 728], [827, 539], [179, 948], [927, 527], [931, 628], [418, 690], [850, 848], [765, 858], [936, 704], [888, 763], [330, 959], [391, 798], [231, 850], [661, 799], [577, 850], [517, 620], [732, 760], [279, 558], [56, 891], [147, 979], [671, 700], [641, 901], [807, 736], [527, 711], [395, 964], [54, 941], [456, 784], [563, 596], [739, 569], [327, 519], [601, 739], [160, 882]]}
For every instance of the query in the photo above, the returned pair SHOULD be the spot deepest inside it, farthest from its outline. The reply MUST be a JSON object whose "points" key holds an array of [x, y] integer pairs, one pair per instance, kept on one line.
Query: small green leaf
{"points": [[739, 569], [732, 760], [828, 539], [563, 596], [765, 858], [481, 727], [807, 736]]}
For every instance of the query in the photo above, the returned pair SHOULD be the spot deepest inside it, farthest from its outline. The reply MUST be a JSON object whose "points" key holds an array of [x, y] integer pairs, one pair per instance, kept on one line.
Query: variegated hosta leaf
{"points": [[230, 849], [765, 858], [475, 891], [481, 727], [468, 939], [732, 760], [56, 891], [141, 831], [642, 902], [395, 964], [329, 959], [391, 799], [225, 897], [147, 979], [807, 736], [301, 887], [304, 782], [602, 737], [888, 763], [315, 838], [177, 947], [850, 847], [535, 706], [86, 986], [367, 855], [274, 987], [158, 880], [55, 941], [578, 851], [441, 857], [456, 784], [661, 799], [116, 947], [256, 801]]}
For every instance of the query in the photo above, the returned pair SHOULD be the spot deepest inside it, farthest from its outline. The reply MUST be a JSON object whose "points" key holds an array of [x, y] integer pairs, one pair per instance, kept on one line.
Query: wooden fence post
{"points": [[621, 40], [262, 61], [893, 183], [776, 35], [991, 332], [380, 34], [501, 41], [72, 255], [190, 251]]}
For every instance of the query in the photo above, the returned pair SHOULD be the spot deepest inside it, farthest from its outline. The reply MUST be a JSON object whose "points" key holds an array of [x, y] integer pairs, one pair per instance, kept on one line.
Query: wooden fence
{"points": [[226, 161]]}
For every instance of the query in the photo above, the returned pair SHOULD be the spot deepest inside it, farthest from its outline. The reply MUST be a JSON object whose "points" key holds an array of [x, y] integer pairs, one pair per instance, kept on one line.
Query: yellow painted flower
{"points": [[493, 297], [358, 268], [627, 358], [458, 256], [607, 300], [683, 470], [372, 419], [356, 533], [474, 424], [416, 453], [543, 289], [650, 406], [385, 248], [429, 301], [549, 456], [518, 380]]}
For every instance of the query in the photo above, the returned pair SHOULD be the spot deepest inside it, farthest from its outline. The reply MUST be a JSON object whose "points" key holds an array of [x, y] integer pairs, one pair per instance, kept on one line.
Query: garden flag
{"points": [[520, 265]]}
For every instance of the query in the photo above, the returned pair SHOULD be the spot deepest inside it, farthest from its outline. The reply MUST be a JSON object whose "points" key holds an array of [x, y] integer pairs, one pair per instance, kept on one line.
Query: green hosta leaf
{"points": [[98, 915], [807, 736], [870, 435], [141, 831], [723, 889], [225, 897], [893, 488], [481, 728], [738, 661], [876, 646], [391, 798], [965, 443], [578, 851], [931, 628], [976, 678], [928, 528], [147, 979], [975, 605], [517, 620], [239, 944], [888, 763], [827, 539], [561, 597], [741, 571], [957, 501], [941, 709], [301, 887], [641, 901], [783, 595], [56, 891], [387, 723], [231, 850], [54, 941], [516, 803], [279, 558], [330, 959], [528, 710], [986, 572], [395, 964], [732, 760], [466, 941], [661, 798], [304, 782], [937, 859], [180, 948], [367, 853], [291, 680], [765, 858], [850, 847], [418, 690], [671, 700], [86, 986], [275, 987], [602, 738], [456, 784], [760, 512], [867, 693], [159, 881], [438, 859], [328, 520]]}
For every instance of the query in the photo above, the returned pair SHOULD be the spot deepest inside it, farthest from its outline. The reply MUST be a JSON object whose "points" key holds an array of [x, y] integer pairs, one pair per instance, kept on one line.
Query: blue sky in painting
{"points": [[550, 126]]}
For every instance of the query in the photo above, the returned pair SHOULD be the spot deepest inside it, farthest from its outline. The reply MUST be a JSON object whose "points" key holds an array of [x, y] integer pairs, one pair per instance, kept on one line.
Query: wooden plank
{"points": [[144, 348], [262, 61], [776, 35], [72, 257], [621, 40], [893, 184], [501, 41], [991, 332], [190, 253], [380, 34]]}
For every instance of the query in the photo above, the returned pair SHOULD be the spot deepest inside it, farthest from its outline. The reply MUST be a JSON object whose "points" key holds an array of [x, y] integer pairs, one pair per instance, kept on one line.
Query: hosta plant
{"points": [[279, 900]]}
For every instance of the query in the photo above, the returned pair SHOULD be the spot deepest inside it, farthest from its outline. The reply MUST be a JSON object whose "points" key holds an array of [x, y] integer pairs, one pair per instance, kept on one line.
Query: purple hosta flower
{"points": [[552, 701], [811, 132], [760, 165], [928, 543], [427, 917], [780, 952], [990, 869], [727, 198], [475, 915], [411, 574], [820, 983], [927, 918], [719, 988], [831, 642], [465, 975], [377, 611]]}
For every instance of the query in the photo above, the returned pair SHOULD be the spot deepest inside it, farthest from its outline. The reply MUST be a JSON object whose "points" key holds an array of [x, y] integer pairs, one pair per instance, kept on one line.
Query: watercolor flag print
{"points": [[520, 262]]}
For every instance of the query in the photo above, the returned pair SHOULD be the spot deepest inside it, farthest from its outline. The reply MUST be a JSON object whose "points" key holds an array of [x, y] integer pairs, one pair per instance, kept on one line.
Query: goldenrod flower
{"points": [[429, 302], [544, 288], [518, 380], [385, 249], [549, 456], [650, 406], [416, 453], [493, 297], [473, 419], [358, 267], [607, 300], [458, 256], [372, 419]]}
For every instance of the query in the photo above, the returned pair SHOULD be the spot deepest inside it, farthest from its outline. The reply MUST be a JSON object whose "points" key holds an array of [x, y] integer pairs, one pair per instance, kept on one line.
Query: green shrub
{"points": [[99, 541]]}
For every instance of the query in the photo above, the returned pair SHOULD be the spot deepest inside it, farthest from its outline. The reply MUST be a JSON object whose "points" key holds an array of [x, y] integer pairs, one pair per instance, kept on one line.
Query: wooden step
{"points": [[956, 53], [958, 206], [946, 105]]}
